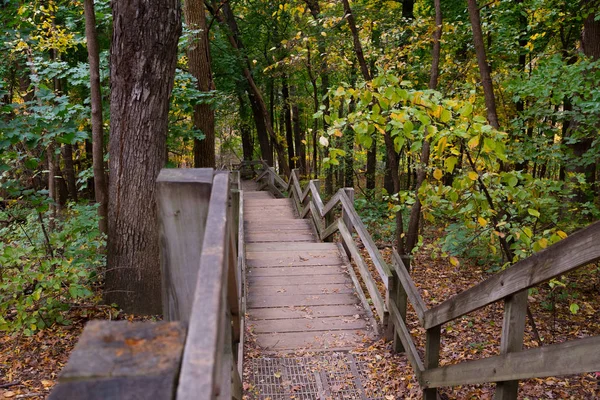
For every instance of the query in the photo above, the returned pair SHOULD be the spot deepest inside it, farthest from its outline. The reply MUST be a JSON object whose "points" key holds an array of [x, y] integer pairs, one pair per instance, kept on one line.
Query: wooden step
{"points": [[258, 281], [306, 312], [303, 288], [313, 341], [263, 301], [309, 325]]}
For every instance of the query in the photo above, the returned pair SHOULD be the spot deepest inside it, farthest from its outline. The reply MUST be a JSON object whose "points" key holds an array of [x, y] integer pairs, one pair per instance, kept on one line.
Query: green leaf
{"points": [[574, 308], [534, 212]]}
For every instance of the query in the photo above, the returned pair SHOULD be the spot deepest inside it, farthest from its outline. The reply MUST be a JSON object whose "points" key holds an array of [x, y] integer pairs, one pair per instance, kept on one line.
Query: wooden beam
{"points": [[409, 286], [407, 341], [183, 199], [123, 360], [376, 257], [513, 331], [581, 248], [365, 274], [202, 359], [569, 358]]}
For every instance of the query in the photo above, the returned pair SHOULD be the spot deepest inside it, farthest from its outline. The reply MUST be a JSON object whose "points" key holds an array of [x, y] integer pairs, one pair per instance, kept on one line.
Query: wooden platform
{"points": [[300, 295]]}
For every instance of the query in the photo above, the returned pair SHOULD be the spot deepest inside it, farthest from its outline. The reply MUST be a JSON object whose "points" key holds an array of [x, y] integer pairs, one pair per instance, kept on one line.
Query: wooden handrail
{"points": [[207, 365], [513, 364]]}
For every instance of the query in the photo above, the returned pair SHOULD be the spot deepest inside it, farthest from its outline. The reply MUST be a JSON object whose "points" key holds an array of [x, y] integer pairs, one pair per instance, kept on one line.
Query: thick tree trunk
{"points": [[484, 67], [100, 181], [198, 54], [143, 59], [69, 171]]}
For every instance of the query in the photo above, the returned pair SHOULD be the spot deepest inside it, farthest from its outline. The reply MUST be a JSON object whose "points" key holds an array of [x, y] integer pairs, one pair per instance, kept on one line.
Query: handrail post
{"points": [[346, 218], [432, 357], [183, 197], [513, 331]]}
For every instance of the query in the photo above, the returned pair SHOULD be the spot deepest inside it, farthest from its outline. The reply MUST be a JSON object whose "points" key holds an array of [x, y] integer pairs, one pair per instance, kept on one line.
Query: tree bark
{"points": [[143, 59], [287, 115], [484, 67], [299, 138], [69, 171], [100, 181], [435, 52], [198, 54]]}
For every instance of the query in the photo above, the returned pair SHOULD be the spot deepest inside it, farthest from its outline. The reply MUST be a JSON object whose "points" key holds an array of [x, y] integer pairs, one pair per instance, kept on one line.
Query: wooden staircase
{"points": [[300, 296]]}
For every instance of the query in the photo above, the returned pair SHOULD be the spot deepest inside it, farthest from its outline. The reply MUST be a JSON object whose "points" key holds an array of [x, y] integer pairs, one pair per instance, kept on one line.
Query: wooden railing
{"points": [[197, 351], [510, 286]]}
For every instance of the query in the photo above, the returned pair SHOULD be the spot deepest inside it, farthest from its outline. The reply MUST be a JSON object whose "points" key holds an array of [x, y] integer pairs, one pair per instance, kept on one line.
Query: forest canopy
{"points": [[476, 119]]}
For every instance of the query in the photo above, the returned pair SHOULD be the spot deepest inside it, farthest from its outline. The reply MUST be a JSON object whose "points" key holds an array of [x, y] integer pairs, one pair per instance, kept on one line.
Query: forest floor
{"points": [[29, 365]]}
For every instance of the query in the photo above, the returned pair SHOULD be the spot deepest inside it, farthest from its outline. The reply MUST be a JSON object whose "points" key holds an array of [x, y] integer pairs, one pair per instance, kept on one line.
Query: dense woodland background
{"points": [[470, 124]]}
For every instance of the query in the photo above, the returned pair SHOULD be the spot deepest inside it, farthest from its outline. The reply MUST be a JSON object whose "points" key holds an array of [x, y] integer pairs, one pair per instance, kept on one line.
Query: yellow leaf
{"points": [[473, 175], [454, 261], [474, 142], [482, 221], [277, 374], [561, 234], [437, 174]]}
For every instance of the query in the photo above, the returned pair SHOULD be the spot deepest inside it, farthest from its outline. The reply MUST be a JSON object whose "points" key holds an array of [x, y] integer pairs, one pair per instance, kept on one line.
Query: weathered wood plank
{"points": [[310, 325], [513, 331], [294, 263], [407, 340], [409, 287], [365, 274], [573, 357], [341, 278], [302, 289], [262, 301], [273, 247], [306, 312], [182, 198], [310, 340], [572, 252], [203, 353], [290, 237], [123, 360], [376, 257]]}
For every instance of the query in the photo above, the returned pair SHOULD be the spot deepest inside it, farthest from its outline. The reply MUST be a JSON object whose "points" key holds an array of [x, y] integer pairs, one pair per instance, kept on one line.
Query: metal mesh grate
{"points": [[335, 376]]}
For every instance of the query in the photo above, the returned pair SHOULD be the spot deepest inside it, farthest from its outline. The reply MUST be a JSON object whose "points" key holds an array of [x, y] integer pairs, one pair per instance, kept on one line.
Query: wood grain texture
{"points": [[183, 197], [573, 357], [119, 359]]}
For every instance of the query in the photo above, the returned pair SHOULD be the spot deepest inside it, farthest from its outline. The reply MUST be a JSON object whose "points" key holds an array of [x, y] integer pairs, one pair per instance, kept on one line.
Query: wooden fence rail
{"points": [[510, 286], [197, 352]]}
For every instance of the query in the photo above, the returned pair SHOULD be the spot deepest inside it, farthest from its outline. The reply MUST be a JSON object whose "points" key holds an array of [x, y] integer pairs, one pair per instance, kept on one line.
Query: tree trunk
{"points": [[198, 54], [287, 115], [435, 52], [247, 145], [484, 67], [143, 59], [50, 159], [299, 138], [412, 233], [69, 172], [100, 184]]}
